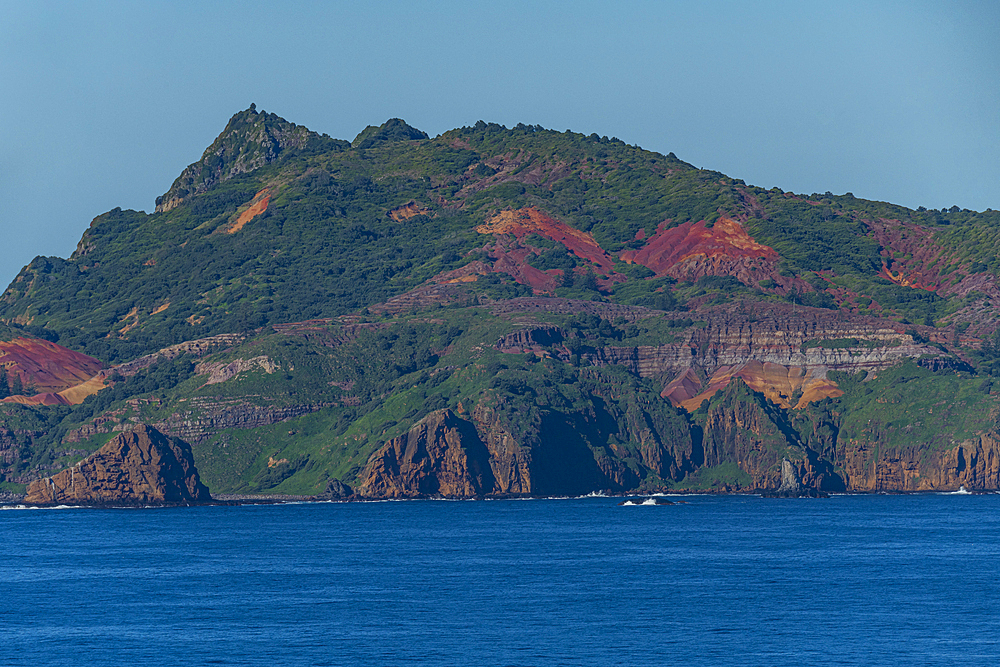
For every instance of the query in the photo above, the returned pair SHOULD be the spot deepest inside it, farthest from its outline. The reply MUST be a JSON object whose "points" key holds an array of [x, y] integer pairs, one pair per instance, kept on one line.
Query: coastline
{"points": [[14, 500]]}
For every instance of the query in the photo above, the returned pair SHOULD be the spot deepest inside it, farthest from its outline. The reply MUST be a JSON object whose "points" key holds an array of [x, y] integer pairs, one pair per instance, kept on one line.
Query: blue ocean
{"points": [[717, 580]]}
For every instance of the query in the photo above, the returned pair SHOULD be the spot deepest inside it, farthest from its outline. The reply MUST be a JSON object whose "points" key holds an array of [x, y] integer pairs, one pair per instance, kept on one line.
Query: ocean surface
{"points": [[737, 580]]}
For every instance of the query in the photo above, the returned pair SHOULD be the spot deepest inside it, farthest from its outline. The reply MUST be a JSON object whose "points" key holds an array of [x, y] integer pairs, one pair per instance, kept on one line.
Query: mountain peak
{"points": [[250, 140], [394, 129]]}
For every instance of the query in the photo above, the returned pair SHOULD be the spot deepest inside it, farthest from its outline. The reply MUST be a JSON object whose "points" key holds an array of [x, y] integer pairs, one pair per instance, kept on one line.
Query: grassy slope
{"points": [[326, 247]]}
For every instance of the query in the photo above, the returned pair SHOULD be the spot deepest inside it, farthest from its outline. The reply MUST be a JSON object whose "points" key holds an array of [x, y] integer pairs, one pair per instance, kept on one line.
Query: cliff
{"points": [[556, 314], [974, 464], [440, 455], [138, 467]]}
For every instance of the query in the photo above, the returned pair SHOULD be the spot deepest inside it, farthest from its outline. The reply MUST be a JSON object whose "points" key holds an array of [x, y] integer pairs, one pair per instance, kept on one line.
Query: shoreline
{"points": [[12, 500]]}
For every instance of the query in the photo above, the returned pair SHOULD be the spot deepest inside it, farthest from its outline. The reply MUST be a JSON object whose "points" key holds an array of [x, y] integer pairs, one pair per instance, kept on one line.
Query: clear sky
{"points": [[102, 104]]}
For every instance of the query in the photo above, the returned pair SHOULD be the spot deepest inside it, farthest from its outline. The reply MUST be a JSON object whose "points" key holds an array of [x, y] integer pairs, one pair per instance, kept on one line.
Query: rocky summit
{"points": [[498, 311], [138, 467]]}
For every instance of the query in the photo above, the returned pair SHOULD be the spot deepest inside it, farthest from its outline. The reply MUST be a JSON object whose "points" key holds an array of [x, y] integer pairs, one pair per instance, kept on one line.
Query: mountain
{"points": [[500, 311]]}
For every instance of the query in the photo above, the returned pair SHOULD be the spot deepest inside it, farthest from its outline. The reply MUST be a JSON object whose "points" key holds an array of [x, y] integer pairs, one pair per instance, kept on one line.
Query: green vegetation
{"points": [[909, 404], [348, 226]]}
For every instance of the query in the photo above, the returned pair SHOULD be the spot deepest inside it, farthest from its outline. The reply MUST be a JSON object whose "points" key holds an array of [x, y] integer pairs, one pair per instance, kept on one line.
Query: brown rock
{"points": [[440, 455], [138, 467], [974, 464]]}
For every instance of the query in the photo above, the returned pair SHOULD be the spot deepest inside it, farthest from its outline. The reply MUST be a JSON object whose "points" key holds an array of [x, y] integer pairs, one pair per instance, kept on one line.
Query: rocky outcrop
{"points": [[789, 478], [220, 371], [509, 461], [250, 141], [440, 455], [507, 449], [529, 339], [739, 430], [974, 464], [196, 348], [210, 415], [781, 350], [139, 467]]}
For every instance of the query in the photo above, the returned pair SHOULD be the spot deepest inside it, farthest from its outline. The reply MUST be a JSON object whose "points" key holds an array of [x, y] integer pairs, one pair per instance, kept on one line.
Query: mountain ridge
{"points": [[555, 301]]}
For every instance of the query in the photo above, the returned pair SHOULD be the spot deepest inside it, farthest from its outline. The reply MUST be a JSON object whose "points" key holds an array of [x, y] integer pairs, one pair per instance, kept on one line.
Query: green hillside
{"points": [[564, 338]]}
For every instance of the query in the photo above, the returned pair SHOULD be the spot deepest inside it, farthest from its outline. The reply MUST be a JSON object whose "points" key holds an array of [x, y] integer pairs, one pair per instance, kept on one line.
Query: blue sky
{"points": [[104, 103]]}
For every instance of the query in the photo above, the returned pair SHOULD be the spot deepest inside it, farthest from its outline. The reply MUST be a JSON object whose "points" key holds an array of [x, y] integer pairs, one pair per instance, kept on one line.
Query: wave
{"points": [[36, 507], [635, 503]]}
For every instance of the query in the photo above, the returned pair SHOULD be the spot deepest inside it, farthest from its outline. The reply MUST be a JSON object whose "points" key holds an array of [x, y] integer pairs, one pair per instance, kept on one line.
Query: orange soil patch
{"points": [[530, 220], [46, 366], [465, 274], [407, 211], [160, 309], [778, 383], [915, 280], [72, 396], [48, 398], [131, 315], [693, 240], [257, 206], [75, 395]]}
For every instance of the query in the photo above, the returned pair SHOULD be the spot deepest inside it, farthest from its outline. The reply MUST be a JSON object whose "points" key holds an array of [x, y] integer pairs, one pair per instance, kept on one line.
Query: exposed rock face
{"points": [[974, 464], [789, 479], [510, 462], [196, 348], [740, 430], [543, 452], [139, 467], [250, 140], [210, 415], [221, 372], [775, 348], [440, 455], [527, 339]]}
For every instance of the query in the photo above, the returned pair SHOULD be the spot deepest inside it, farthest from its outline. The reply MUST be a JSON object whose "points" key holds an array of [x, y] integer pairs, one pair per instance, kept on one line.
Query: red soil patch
{"points": [[48, 367], [530, 220], [514, 262], [694, 248], [919, 260]]}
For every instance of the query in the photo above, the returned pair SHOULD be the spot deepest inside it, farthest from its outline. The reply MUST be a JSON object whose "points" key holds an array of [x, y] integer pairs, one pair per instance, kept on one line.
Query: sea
{"points": [[711, 580]]}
